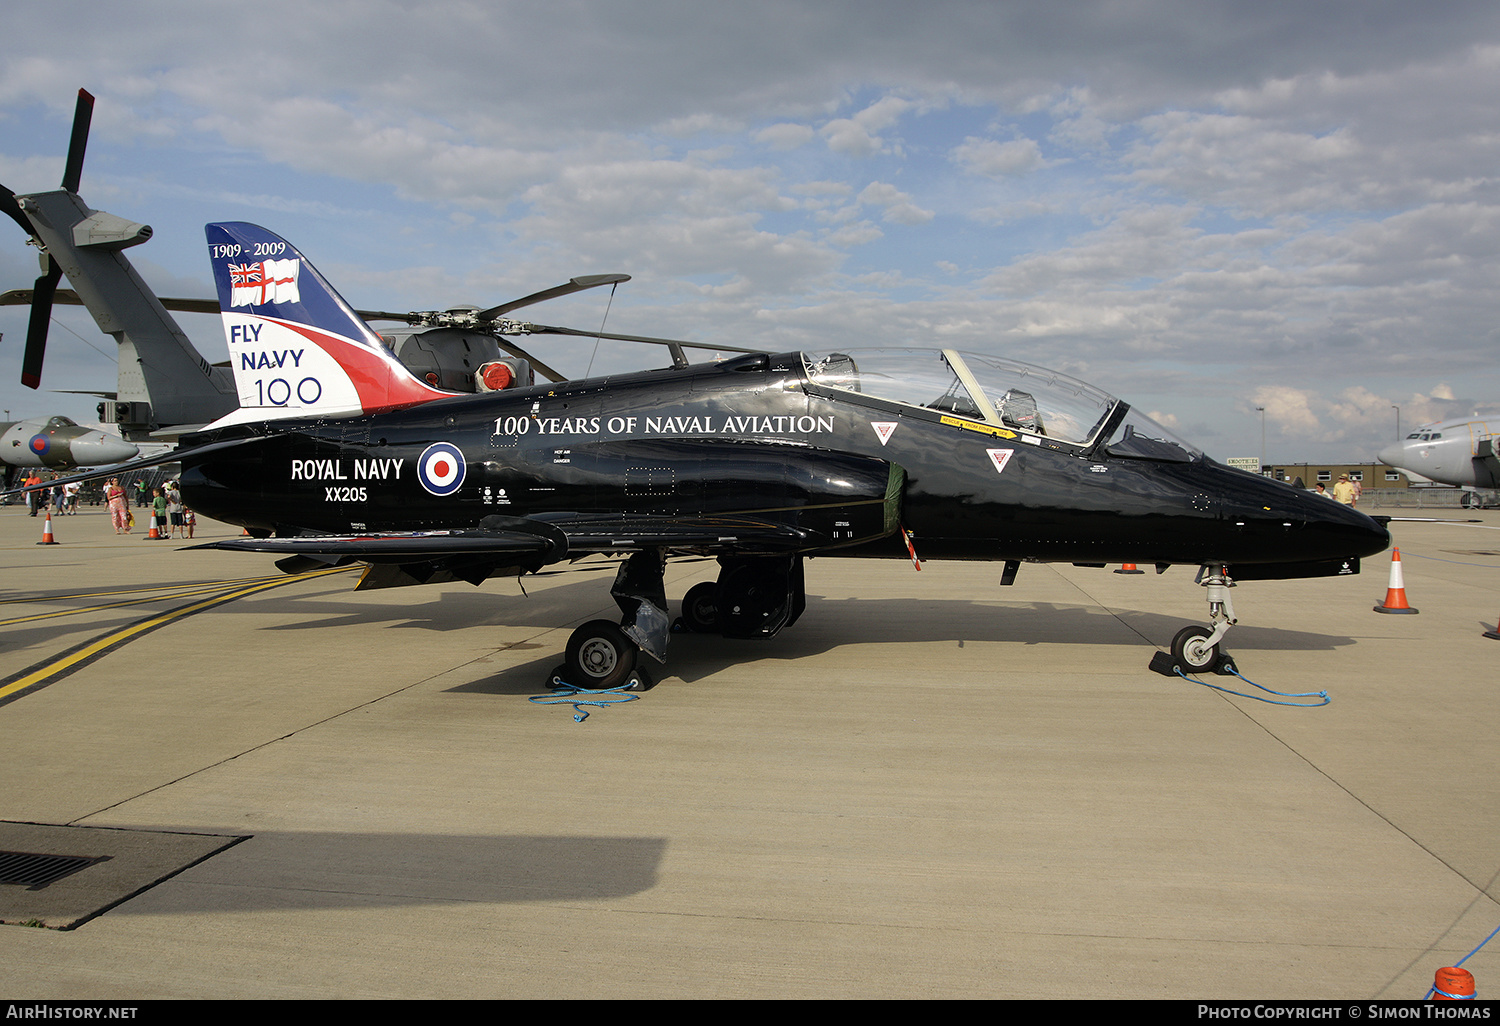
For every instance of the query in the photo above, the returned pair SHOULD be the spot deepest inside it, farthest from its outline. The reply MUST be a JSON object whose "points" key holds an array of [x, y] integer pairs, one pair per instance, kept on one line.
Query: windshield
{"points": [[993, 390], [1139, 437]]}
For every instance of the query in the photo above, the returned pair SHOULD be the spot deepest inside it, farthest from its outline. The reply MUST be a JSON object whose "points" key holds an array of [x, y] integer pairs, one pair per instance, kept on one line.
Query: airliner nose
{"points": [[98, 449], [1392, 455]]}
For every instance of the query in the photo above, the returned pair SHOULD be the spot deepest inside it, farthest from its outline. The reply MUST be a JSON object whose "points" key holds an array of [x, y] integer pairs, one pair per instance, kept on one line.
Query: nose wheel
{"points": [[1199, 649], [1192, 650]]}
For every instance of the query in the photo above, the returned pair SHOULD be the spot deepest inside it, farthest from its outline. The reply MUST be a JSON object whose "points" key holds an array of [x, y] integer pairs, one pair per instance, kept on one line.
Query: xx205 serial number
{"points": [[341, 494]]}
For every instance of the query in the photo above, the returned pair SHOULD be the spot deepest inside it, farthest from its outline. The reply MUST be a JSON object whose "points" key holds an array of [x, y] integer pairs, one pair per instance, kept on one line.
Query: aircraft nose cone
{"points": [[98, 449], [1347, 528], [1371, 538], [1278, 524], [1392, 455]]}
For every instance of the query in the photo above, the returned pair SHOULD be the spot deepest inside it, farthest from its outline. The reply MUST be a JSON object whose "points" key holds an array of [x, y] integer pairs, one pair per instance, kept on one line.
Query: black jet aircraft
{"points": [[339, 454]]}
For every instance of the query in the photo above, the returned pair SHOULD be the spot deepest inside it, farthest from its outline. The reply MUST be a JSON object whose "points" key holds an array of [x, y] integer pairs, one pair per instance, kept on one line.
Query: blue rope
{"points": [[563, 694], [1270, 701], [1463, 997]]}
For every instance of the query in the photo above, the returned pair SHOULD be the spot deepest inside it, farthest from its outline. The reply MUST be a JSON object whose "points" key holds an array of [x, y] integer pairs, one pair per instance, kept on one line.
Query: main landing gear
{"points": [[1198, 649], [602, 655], [754, 597]]}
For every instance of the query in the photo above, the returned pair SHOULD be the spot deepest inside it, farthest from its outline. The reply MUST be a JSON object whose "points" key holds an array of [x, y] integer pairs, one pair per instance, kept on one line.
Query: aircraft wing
{"points": [[502, 543], [593, 533]]}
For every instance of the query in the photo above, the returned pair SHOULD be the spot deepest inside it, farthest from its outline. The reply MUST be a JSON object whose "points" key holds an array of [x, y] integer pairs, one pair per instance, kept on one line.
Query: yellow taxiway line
{"points": [[57, 667]]}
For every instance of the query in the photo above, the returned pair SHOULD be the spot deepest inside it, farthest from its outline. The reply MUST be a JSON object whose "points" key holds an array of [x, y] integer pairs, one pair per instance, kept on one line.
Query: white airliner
{"points": [[1460, 452]]}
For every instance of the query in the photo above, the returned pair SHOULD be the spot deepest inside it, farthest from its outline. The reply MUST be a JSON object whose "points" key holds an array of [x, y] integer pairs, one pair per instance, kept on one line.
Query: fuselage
{"points": [[59, 443], [737, 439]]}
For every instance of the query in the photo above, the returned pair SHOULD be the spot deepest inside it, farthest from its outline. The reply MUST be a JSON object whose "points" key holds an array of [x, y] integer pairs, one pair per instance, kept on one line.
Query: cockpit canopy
{"points": [[1032, 401]]}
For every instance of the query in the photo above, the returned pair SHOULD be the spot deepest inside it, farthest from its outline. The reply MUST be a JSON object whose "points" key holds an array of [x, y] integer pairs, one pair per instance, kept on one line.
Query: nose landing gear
{"points": [[1197, 649]]}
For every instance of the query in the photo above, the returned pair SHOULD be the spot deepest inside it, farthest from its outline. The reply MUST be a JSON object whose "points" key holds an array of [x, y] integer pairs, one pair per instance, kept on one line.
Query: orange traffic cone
{"points": [[47, 538], [1452, 984], [152, 535], [1129, 568], [1395, 594]]}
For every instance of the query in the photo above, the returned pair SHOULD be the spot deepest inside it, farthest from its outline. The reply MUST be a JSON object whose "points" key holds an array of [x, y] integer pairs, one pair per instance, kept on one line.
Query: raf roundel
{"points": [[40, 444], [441, 468]]}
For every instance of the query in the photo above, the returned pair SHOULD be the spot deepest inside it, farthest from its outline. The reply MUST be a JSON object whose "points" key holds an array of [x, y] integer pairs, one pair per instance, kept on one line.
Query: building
{"points": [[1371, 476]]}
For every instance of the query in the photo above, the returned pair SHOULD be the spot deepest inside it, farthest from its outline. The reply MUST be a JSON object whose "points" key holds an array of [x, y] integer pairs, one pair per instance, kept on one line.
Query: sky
{"points": [[1269, 224]]}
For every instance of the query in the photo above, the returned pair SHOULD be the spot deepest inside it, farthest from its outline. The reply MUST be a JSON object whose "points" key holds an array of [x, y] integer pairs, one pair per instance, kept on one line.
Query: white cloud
{"points": [[994, 159], [858, 136], [785, 136], [897, 205]]}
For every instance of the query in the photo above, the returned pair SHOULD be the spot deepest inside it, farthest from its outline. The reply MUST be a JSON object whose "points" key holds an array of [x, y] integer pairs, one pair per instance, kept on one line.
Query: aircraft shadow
{"points": [[309, 871], [828, 625]]}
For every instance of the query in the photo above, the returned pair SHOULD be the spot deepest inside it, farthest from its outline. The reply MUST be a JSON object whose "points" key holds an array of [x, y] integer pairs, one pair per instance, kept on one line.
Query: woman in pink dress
{"points": [[115, 496]]}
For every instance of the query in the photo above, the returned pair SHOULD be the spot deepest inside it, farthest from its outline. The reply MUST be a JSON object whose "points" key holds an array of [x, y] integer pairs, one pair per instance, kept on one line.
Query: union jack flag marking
{"points": [[265, 281]]}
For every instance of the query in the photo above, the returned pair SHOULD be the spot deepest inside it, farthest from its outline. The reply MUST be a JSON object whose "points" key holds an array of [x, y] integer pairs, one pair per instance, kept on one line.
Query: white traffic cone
{"points": [[47, 538], [1395, 594]]}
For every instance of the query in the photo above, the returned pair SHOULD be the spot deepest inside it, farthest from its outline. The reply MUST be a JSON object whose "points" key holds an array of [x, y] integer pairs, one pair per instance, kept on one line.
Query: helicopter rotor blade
{"points": [[547, 329], [12, 206], [466, 317], [550, 373], [36, 328], [587, 281], [67, 297], [45, 288], [385, 315], [83, 115]]}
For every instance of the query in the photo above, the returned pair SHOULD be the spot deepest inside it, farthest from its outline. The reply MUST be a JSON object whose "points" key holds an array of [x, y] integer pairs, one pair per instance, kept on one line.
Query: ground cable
{"points": [[1270, 701], [564, 693]]}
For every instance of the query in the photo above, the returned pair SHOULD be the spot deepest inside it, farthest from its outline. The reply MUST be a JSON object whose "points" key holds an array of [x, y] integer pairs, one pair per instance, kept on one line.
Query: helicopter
{"points": [[165, 387]]}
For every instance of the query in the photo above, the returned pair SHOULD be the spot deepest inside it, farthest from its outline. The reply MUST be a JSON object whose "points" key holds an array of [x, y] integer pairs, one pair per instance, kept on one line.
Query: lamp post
{"points": [[1262, 411], [1398, 420]]}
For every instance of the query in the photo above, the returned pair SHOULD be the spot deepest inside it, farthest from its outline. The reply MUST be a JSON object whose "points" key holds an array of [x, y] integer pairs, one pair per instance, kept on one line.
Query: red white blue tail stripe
{"points": [[297, 349]]}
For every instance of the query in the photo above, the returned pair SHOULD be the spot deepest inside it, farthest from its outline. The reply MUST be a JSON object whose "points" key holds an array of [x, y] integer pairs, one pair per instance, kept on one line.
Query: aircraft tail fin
{"points": [[297, 349]]}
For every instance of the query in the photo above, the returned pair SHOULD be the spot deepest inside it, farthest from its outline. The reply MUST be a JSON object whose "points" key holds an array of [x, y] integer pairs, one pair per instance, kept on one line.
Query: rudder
{"points": [[297, 349]]}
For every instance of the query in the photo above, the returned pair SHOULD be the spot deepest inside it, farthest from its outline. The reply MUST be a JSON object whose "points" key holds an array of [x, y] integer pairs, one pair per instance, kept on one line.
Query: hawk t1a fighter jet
{"points": [[339, 454]]}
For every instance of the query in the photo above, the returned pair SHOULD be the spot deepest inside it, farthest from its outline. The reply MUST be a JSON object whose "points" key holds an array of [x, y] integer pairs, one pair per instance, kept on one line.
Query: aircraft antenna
{"points": [[599, 336]]}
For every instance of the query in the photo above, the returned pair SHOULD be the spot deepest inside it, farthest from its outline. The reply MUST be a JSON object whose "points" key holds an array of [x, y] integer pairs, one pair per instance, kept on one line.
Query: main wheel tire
{"points": [[700, 608], [1189, 651], [599, 656]]}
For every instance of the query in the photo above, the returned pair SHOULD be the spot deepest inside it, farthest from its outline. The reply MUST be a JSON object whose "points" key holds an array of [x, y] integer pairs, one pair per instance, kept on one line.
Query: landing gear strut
{"points": [[754, 597], [1197, 649], [603, 655]]}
